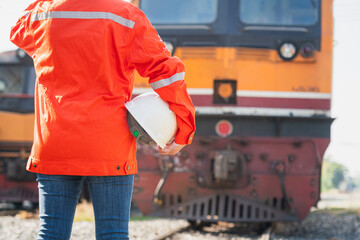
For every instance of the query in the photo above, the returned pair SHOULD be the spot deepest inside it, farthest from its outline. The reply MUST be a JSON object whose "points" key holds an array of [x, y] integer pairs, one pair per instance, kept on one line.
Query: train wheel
{"points": [[18, 205], [258, 227]]}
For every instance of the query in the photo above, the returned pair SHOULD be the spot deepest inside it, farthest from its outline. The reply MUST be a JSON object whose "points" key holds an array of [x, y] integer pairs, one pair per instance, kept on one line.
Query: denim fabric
{"points": [[59, 195]]}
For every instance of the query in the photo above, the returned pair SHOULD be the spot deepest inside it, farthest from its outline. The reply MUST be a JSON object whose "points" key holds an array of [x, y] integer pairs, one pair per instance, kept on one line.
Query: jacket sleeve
{"points": [[166, 75], [20, 33]]}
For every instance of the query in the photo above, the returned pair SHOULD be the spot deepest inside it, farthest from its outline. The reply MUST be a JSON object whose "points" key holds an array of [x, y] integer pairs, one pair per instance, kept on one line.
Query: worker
{"points": [[85, 53]]}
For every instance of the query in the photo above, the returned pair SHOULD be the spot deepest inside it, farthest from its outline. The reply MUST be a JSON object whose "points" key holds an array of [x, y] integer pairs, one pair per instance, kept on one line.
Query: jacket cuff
{"points": [[184, 139]]}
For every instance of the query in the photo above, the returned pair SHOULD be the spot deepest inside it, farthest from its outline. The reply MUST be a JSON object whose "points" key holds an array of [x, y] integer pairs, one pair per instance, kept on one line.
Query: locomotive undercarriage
{"points": [[233, 179], [17, 184], [223, 207]]}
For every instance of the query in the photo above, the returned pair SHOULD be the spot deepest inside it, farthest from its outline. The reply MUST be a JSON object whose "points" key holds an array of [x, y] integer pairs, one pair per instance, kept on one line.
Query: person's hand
{"points": [[171, 148]]}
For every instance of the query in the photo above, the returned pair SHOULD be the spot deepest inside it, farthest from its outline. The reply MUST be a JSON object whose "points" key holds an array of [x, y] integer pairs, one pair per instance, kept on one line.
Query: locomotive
{"points": [[17, 83], [259, 73]]}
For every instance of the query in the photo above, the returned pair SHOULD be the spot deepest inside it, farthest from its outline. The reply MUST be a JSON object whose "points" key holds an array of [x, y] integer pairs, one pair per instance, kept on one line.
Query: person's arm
{"points": [[21, 34], [166, 76]]}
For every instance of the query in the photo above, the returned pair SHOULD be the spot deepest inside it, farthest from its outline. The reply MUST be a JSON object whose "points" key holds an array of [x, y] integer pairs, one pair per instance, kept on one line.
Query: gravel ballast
{"points": [[319, 225], [15, 228]]}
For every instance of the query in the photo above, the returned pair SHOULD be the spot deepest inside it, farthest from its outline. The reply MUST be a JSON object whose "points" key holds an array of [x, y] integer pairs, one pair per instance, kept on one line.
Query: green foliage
{"points": [[142, 218], [332, 175]]}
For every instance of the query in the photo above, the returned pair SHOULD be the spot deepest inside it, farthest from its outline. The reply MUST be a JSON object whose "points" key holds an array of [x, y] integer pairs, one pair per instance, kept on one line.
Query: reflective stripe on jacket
{"points": [[85, 54]]}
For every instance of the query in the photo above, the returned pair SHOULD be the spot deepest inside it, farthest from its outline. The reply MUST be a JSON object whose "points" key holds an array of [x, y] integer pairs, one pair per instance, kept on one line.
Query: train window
{"points": [[17, 79], [11, 77], [180, 11], [279, 12]]}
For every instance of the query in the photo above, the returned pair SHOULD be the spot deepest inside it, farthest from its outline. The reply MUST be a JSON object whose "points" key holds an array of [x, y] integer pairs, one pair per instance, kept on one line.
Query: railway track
{"points": [[320, 224], [8, 212], [170, 235], [232, 231], [22, 212], [267, 233]]}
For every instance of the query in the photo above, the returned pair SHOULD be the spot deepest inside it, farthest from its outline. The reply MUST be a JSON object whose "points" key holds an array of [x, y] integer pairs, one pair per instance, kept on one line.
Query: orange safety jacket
{"points": [[85, 54]]}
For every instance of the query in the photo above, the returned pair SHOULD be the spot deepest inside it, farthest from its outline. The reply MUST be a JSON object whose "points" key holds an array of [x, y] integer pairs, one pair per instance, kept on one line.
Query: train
{"points": [[17, 83], [259, 73]]}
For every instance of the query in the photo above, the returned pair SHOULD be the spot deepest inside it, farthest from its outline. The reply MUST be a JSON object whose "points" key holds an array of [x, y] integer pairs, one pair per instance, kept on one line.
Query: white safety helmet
{"points": [[151, 116]]}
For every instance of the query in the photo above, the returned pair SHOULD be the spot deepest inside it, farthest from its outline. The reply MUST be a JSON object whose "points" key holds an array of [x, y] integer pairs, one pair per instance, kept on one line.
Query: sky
{"points": [[345, 137], [345, 131]]}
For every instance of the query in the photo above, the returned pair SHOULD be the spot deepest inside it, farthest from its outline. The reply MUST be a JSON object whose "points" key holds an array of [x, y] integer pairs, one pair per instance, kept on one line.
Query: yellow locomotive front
{"points": [[17, 81], [259, 74]]}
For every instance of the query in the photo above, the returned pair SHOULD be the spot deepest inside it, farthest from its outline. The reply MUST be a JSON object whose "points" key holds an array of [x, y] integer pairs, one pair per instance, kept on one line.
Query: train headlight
{"points": [[169, 47], [307, 50], [287, 51], [224, 128], [224, 92]]}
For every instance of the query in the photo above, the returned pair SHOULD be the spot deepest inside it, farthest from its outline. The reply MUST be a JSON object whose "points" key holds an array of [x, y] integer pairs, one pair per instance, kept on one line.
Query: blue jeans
{"points": [[59, 195]]}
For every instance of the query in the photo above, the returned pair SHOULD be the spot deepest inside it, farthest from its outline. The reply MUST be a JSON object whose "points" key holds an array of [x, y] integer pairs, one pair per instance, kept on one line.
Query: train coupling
{"points": [[166, 165], [225, 166]]}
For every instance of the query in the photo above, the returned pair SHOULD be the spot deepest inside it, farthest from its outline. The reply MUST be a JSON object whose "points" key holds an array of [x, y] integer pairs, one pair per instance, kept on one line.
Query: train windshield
{"points": [[17, 79], [180, 11], [279, 12]]}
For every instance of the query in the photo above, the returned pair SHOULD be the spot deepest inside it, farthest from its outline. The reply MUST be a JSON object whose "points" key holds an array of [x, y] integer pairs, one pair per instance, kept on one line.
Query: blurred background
{"points": [[342, 153], [341, 169], [345, 141]]}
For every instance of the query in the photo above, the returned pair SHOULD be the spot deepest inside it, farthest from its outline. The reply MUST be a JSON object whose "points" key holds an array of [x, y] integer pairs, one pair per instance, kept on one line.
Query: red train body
{"points": [[261, 86]]}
